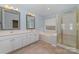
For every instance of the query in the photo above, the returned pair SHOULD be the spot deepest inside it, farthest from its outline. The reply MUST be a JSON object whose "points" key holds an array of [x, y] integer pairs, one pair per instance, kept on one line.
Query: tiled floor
{"points": [[42, 47]]}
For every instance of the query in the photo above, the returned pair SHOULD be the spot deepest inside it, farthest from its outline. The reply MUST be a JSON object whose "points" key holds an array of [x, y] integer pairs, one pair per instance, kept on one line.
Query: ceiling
{"points": [[42, 9]]}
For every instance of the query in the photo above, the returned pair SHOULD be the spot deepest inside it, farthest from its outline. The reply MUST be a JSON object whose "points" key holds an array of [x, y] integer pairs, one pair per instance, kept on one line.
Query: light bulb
{"points": [[48, 8], [16, 9], [6, 6], [11, 7]]}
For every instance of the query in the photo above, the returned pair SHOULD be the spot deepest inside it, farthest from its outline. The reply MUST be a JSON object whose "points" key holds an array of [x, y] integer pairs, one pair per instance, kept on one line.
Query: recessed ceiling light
{"points": [[48, 8]]}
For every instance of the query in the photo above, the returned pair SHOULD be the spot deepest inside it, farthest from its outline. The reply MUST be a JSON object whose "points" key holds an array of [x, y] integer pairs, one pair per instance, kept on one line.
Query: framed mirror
{"points": [[10, 19], [30, 22], [0, 18]]}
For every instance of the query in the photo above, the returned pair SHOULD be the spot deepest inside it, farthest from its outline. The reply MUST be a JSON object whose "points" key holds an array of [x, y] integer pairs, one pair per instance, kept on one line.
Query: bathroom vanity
{"points": [[13, 40]]}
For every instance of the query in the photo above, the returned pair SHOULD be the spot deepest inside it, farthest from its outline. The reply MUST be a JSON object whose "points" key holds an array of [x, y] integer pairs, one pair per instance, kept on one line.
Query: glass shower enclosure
{"points": [[68, 29]]}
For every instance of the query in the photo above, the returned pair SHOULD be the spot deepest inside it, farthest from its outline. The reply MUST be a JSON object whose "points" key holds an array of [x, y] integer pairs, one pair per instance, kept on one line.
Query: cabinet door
{"points": [[5, 46], [33, 37], [16, 43], [36, 36], [30, 37], [25, 39]]}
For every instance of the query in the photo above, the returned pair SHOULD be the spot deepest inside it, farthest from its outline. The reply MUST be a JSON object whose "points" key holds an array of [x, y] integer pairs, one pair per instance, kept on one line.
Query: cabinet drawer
{"points": [[4, 38]]}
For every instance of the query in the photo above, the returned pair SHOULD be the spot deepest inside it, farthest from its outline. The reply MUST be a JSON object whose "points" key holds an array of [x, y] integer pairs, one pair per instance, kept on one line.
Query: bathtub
{"points": [[49, 37]]}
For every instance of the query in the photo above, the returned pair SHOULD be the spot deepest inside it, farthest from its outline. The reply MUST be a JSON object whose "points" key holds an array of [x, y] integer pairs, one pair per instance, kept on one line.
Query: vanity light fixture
{"points": [[6, 6], [30, 13], [10, 7], [16, 9]]}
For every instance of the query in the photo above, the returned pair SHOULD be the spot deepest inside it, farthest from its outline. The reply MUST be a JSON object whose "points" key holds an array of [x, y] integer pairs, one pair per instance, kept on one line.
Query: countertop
{"points": [[14, 32]]}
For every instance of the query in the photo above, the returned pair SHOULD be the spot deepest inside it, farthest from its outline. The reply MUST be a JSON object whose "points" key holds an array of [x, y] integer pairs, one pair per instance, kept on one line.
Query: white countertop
{"points": [[13, 32]]}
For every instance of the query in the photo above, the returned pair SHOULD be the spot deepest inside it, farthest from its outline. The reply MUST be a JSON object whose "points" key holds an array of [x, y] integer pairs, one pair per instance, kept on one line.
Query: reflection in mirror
{"points": [[15, 24], [10, 19], [30, 22]]}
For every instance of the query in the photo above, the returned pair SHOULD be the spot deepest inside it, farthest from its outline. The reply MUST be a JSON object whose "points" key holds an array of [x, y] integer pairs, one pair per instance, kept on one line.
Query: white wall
{"points": [[49, 36], [40, 23], [50, 22]]}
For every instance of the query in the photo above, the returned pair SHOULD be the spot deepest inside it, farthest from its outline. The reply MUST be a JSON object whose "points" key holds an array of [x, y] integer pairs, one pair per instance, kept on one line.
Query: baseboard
{"points": [[54, 45], [69, 48]]}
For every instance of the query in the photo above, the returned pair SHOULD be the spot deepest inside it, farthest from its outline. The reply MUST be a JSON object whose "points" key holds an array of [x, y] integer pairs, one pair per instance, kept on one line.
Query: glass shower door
{"points": [[59, 30], [69, 29], [77, 32]]}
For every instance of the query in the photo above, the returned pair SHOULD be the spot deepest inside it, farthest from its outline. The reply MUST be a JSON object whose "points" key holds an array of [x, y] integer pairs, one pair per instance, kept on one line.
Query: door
{"points": [[77, 32], [69, 29], [59, 30]]}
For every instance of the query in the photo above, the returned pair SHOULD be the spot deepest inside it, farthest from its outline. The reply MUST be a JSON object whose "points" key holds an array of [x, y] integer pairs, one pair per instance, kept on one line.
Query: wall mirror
{"points": [[30, 22], [10, 19], [0, 19]]}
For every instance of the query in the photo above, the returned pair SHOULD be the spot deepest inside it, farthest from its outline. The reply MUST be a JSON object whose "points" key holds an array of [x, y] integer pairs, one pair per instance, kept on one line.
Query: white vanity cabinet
{"points": [[25, 40], [5, 45], [33, 37], [16, 42], [29, 38], [11, 42]]}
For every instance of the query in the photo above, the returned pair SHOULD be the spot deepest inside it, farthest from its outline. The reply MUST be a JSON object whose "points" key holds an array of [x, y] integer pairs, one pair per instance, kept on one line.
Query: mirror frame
{"points": [[1, 18], [10, 11], [27, 21]]}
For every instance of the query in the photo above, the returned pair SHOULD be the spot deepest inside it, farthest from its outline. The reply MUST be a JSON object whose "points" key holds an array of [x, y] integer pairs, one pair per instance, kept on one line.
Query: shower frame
{"points": [[60, 35]]}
